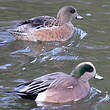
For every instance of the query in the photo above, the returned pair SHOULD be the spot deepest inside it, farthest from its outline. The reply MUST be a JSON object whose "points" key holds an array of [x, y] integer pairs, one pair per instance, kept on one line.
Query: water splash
{"points": [[105, 98], [82, 34], [93, 93], [102, 99]]}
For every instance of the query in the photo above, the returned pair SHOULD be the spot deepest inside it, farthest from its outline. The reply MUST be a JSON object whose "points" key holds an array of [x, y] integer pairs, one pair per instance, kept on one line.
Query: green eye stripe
{"points": [[85, 68]]}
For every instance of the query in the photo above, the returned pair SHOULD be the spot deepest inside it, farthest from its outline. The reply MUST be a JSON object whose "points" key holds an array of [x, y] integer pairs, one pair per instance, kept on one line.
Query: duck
{"points": [[47, 28], [59, 87]]}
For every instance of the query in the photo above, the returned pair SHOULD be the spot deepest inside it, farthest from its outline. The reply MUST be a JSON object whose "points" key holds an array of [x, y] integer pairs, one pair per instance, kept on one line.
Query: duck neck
{"points": [[59, 22], [62, 19], [84, 78], [76, 74]]}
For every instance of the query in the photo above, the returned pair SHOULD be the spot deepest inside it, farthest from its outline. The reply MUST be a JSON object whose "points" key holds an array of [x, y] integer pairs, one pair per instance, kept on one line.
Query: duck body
{"points": [[48, 28], [56, 87], [59, 87], [68, 89]]}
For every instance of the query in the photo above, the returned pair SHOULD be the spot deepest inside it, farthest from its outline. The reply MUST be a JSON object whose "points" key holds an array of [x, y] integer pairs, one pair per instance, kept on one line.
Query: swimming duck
{"points": [[48, 28], [60, 87]]}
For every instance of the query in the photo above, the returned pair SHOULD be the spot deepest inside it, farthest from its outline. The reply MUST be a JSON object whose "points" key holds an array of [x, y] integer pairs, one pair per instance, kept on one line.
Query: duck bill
{"points": [[98, 77], [78, 17]]}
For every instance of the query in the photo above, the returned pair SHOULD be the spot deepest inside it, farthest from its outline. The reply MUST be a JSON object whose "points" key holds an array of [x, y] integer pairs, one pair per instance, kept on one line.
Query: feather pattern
{"points": [[31, 89], [47, 28]]}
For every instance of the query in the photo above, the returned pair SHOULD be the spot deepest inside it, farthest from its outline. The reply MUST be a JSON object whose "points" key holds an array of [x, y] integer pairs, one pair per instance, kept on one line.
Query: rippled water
{"points": [[21, 61]]}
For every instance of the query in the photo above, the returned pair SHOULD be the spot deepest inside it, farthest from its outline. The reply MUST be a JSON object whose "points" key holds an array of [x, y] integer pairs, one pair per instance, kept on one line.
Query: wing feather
{"points": [[38, 85]]}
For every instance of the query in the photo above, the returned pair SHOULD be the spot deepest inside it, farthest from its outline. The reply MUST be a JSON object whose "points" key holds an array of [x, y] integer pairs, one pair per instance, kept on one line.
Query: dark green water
{"points": [[22, 61]]}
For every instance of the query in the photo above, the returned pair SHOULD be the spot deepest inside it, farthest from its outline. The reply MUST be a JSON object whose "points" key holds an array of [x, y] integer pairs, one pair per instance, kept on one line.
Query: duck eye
{"points": [[72, 11], [88, 68], [91, 70]]}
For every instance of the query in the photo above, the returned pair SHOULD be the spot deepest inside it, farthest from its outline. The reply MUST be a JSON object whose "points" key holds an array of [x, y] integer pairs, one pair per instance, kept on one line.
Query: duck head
{"points": [[85, 71], [67, 13]]}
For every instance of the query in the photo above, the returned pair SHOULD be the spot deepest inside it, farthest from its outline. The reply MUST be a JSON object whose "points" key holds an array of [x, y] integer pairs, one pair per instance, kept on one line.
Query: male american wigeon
{"points": [[48, 28], [59, 87]]}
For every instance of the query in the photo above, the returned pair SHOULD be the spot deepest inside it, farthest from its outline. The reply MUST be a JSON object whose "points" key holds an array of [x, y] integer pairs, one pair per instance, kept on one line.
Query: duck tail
{"points": [[22, 35], [18, 34], [21, 94]]}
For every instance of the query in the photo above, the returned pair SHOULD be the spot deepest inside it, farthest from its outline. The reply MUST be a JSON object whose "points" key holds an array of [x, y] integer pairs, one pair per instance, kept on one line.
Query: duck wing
{"points": [[64, 82], [38, 21], [31, 89]]}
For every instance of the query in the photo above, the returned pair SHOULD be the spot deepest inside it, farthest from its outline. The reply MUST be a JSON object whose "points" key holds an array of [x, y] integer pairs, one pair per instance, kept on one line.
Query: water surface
{"points": [[21, 61]]}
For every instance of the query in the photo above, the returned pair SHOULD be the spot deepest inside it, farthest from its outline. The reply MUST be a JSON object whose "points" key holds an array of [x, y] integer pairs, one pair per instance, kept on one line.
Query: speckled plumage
{"points": [[47, 28]]}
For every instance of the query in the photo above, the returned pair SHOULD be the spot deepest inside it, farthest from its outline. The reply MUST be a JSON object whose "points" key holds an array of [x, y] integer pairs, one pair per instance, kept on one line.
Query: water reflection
{"points": [[21, 61], [48, 49]]}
